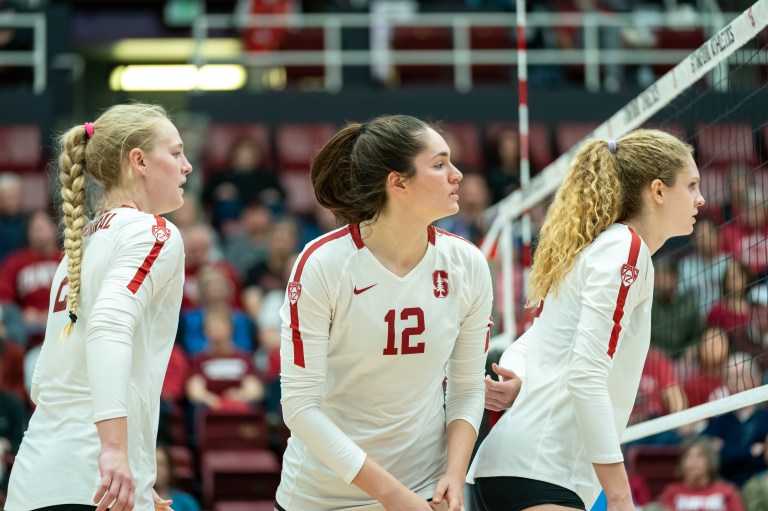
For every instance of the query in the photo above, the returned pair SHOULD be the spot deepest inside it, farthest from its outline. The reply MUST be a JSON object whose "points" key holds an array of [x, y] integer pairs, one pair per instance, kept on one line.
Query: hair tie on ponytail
{"points": [[72, 317], [361, 130], [89, 129], [612, 145]]}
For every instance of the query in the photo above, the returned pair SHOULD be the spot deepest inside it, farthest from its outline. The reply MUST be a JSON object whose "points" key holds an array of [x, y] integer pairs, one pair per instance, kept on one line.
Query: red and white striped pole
{"points": [[525, 163]]}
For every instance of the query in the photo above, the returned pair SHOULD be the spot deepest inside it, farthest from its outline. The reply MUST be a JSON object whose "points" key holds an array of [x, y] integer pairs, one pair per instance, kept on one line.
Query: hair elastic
{"points": [[612, 145], [72, 317], [361, 130], [89, 129]]}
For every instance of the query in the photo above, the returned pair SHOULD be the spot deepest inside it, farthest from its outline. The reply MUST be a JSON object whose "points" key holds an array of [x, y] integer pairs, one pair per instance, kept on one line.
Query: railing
{"points": [[334, 59], [36, 57]]}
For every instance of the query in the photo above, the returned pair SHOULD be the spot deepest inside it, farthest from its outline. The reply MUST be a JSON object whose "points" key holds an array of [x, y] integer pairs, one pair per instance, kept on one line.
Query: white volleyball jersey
{"points": [[581, 363], [112, 365], [364, 357]]}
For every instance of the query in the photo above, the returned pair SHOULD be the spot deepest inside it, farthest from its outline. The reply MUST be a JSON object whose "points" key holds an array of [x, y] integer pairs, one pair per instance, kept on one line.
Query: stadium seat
{"points": [[423, 38], [183, 468], [21, 148], [304, 39], [656, 463], [464, 140], [539, 143], [221, 136], [725, 143], [240, 475], [714, 189], [297, 144], [235, 430], [492, 38], [568, 134], [300, 196], [677, 39], [244, 505]]}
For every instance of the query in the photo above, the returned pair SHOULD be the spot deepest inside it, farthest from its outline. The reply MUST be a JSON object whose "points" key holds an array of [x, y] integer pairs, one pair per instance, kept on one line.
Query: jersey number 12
{"points": [[406, 348]]}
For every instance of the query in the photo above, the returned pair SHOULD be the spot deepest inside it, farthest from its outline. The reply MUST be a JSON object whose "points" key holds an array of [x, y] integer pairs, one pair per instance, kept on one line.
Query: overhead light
{"points": [[174, 49], [181, 77]]}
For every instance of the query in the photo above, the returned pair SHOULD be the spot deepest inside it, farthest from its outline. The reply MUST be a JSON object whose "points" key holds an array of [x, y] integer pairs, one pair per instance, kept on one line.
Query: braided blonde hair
{"points": [[601, 187], [102, 157]]}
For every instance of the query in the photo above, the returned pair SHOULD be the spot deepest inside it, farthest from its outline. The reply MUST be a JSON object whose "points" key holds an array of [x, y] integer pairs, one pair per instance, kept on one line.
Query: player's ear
{"points": [[136, 161]]}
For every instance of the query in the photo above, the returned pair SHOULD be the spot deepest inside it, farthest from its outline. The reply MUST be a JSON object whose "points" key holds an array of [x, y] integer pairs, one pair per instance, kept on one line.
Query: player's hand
{"points": [[117, 488], [160, 503], [449, 494], [499, 395]]}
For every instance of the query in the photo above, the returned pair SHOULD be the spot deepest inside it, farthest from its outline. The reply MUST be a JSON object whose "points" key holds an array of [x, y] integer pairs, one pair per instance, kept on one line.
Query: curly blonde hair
{"points": [[104, 158], [601, 187]]}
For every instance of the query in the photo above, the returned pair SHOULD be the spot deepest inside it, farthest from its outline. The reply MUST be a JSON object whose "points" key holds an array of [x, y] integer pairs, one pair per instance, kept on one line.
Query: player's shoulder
{"points": [[136, 226], [446, 241], [618, 241], [332, 246]]}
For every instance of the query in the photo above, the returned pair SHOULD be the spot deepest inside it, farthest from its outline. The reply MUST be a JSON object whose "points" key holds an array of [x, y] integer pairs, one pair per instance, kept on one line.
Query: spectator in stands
{"points": [[474, 199], [215, 291], [187, 215], [315, 224], [246, 179], [739, 435], [740, 181], [223, 377], [746, 238], [703, 367], [734, 312], [659, 393], [248, 244], [27, 274], [676, 322], [268, 275], [700, 488], [755, 491], [13, 221], [198, 247], [503, 177], [13, 420], [165, 482], [702, 271]]}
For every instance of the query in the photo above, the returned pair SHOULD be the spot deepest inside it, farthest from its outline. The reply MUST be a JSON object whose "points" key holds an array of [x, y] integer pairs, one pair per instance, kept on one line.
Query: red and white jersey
{"points": [[364, 357], [26, 278], [112, 365], [581, 363]]}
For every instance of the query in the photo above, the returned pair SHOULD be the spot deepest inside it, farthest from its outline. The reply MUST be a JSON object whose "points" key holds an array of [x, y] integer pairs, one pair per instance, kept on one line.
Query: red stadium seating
{"points": [[21, 148], [221, 136], [297, 144], [239, 475], [714, 188], [656, 463], [539, 143], [568, 134], [677, 39], [725, 143], [235, 430], [423, 38], [244, 505], [466, 150], [299, 192], [674, 128], [183, 467], [492, 38], [304, 39]]}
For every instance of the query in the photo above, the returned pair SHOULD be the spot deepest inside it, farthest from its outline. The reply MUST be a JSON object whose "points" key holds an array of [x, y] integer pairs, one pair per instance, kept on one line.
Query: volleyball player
{"points": [[581, 360], [377, 314], [113, 317]]}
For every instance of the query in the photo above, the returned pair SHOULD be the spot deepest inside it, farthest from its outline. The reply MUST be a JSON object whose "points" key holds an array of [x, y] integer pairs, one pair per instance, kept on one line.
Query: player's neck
{"points": [[642, 225], [399, 246]]}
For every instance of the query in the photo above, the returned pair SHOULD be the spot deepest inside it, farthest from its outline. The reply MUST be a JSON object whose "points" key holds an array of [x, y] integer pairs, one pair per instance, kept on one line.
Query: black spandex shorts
{"points": [[518, 493]]}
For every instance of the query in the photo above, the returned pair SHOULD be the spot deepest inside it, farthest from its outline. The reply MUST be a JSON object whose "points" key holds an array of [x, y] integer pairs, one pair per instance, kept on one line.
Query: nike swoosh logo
{"points": [[358, 291]]}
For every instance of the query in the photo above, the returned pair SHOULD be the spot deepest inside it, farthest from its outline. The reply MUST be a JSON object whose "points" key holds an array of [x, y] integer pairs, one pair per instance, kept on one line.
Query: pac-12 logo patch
{"points": [[161, 233], [628, 274], [294, 292], [440, 283]]}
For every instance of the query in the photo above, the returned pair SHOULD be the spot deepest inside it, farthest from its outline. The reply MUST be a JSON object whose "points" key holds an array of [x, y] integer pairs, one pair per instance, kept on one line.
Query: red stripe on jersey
{"points": [[431, 234], [354, 229], [298, 342], [161, 233], [618, 312], [441, 231]]}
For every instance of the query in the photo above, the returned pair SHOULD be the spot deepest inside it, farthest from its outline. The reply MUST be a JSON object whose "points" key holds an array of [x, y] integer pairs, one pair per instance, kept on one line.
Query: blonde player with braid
{"points": [[581, 360], [113, 317]]}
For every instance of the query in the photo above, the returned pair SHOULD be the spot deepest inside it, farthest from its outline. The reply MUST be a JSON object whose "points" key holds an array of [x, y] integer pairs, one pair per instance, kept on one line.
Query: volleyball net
{"points": [[709, 351]]}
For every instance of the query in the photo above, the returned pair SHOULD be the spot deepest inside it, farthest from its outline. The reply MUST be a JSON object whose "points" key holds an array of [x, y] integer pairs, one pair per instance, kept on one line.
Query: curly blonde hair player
{"points": [[600, 188], [100, 152]]}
